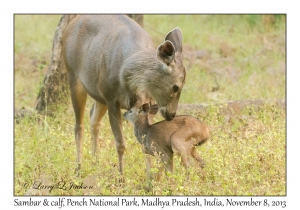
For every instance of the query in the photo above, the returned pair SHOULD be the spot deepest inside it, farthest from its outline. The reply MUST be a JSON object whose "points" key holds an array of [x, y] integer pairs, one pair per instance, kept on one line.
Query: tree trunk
{"points": [[55, 86], [55, 82], [138, 18]]}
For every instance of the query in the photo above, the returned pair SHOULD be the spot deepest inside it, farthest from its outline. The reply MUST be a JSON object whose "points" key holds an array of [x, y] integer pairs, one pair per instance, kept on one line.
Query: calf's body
{"points": [[180, 135]]}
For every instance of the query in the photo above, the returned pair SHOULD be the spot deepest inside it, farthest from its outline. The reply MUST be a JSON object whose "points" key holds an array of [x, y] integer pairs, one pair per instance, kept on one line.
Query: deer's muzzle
{"points": [[167, 115]]}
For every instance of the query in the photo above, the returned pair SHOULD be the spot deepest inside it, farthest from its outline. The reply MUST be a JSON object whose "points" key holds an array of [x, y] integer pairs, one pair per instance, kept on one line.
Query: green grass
{"points": [[244, 58]]}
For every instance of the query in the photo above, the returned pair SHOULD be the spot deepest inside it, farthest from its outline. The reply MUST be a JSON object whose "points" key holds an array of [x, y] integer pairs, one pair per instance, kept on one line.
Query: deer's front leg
{"points": [[149, 173], [96, 114], [115, 119]]}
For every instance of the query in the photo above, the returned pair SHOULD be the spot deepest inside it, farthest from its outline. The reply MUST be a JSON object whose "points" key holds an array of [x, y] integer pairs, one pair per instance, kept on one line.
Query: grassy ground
{"points": [[227, 57]]}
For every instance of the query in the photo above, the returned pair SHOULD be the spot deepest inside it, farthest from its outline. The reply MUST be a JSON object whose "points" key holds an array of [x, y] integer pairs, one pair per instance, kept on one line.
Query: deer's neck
{"points": [[140, 70], [141, 128]]}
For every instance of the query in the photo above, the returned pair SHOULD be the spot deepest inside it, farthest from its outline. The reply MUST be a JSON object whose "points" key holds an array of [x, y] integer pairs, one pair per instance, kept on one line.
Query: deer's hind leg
{"points": [[186, 151], [78, 96], [183, 141], [181, 146], [195, 155]]}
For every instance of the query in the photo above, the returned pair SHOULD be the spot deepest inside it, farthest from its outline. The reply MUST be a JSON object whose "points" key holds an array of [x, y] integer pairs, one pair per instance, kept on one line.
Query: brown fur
{"points": [[179, 135]]}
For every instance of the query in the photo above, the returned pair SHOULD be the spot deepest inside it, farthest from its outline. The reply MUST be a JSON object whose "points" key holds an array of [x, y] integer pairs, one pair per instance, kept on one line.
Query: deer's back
{"points": [[95, 48], [184, 127]]}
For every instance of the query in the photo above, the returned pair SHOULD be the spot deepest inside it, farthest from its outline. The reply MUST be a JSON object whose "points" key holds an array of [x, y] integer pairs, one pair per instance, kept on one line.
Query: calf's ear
{"points": [[153, 109], [144, 109]]}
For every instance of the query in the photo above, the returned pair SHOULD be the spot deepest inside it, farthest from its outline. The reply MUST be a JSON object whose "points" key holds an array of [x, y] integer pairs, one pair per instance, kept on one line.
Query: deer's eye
{"points": [[175, 88]]}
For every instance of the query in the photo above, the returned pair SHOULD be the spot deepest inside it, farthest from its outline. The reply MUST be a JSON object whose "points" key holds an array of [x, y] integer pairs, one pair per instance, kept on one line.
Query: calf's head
{"points": [[136, 113]]}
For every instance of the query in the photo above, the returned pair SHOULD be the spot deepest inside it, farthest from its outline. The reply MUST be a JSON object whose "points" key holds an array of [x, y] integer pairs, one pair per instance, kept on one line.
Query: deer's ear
{"points": [[175, 36], [153, 109], [144, 109], [166, 52]]}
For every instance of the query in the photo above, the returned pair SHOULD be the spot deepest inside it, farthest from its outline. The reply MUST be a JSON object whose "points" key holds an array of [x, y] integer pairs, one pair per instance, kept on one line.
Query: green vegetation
{"points": [[227, 57]]}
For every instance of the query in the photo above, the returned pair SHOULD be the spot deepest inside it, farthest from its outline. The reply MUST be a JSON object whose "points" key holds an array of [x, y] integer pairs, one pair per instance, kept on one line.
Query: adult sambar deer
{"points": [[111, 58]]}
